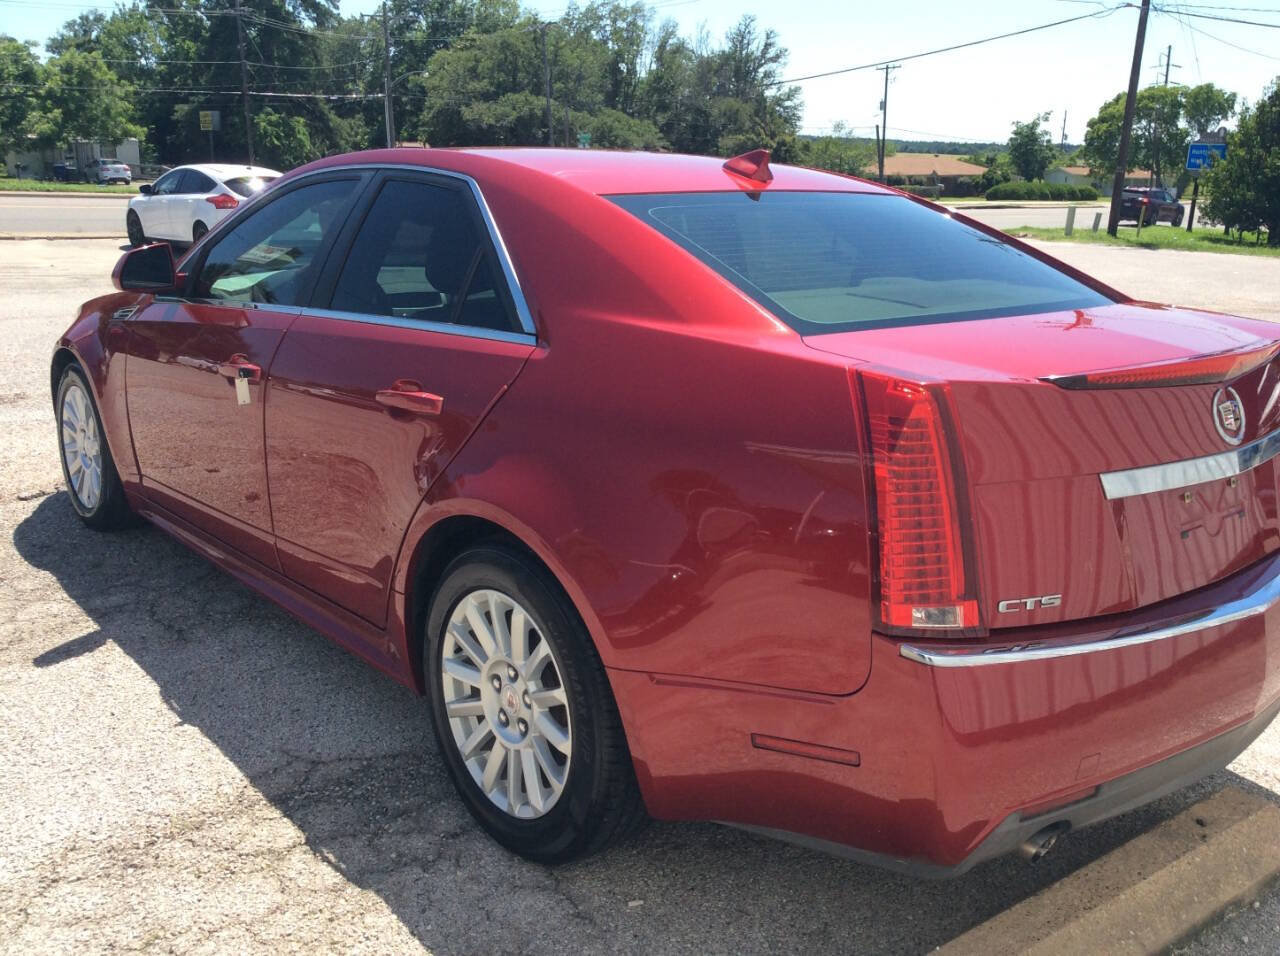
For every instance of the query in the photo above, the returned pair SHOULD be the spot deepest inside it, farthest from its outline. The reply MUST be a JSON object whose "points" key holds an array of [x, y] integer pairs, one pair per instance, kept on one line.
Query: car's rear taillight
{"points": [[223, 201], [923, 579]]}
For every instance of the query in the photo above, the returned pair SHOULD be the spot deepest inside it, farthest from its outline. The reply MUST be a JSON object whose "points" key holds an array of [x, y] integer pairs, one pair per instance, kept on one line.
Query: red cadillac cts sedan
{"points": [[708, 490]]}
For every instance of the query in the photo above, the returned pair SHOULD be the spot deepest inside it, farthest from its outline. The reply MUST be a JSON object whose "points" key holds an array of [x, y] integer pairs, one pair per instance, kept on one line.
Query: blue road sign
{"points": [[1199, 154]]}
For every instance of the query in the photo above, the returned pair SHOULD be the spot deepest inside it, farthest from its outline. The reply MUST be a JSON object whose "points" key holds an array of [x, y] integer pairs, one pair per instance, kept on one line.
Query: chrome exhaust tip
{"points": [[1041, 842]]}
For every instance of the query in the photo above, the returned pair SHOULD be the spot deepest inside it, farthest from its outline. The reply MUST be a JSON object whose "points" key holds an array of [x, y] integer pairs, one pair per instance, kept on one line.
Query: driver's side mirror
{"points": [[146, 269], [146, 189]]}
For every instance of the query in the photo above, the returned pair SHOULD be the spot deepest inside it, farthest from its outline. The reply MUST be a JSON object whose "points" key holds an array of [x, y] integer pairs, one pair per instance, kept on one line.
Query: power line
{"points": [[1235, 46], [947, 49], [1183, 11]]}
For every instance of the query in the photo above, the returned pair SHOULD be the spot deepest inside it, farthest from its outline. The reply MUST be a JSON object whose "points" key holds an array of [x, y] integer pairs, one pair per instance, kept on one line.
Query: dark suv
{"points": [[1154, 205]]}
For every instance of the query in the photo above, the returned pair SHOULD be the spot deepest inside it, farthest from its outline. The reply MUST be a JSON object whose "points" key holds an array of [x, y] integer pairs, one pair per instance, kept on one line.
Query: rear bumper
{"points": [[1110, 799], [931, 768]]}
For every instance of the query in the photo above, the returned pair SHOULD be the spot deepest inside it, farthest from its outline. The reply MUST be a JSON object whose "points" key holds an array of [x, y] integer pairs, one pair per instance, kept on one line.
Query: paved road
{"points": [[1048, 216], [91, 215], [185, 767], [68, 214]]}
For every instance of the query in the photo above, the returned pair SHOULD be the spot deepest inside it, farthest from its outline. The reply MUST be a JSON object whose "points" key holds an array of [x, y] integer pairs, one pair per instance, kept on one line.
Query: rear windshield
{"points": [[248, 185], [834, 262]]}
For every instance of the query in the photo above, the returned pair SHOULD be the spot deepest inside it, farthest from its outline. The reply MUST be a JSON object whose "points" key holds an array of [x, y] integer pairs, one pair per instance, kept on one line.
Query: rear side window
{"points": [[194, 181], [833, 262], [268, 255], [248, 185], [419, 255]]}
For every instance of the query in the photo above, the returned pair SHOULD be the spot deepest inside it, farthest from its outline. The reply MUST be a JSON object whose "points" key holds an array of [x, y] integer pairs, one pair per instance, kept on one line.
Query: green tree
{"points": [[1031, 147], [1206, 107], [1159, 138], [1243, 189], [838, 152], [82, 99], [20, 79]]}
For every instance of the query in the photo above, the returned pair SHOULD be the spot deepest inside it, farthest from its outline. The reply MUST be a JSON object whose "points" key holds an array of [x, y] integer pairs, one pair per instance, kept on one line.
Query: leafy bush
{"points": [[1039, 189]]}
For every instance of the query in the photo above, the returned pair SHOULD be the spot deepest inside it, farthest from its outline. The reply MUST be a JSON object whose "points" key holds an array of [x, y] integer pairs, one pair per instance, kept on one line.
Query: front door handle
{"points": [[408, 396], [239, 366]]}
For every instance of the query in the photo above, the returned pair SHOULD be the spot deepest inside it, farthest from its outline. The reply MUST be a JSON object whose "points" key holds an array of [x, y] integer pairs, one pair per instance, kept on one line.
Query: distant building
{"points": [[940, 167], [38, 162], [1080, 176]]}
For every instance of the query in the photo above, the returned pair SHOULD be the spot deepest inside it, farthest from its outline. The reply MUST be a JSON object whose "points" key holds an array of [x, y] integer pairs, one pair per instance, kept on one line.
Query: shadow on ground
{"points": [[346, 755]]}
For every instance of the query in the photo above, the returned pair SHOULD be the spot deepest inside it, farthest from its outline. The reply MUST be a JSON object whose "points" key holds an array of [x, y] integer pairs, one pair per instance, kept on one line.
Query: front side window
{"points": [[167, 184], [418, 255], [267, 256], [834, 262]]}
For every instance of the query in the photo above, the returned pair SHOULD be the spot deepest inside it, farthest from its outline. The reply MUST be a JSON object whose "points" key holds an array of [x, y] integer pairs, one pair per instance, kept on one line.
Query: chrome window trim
{"points": [[1191, 471], [424, 325], [523, 315], [1254, 604]]}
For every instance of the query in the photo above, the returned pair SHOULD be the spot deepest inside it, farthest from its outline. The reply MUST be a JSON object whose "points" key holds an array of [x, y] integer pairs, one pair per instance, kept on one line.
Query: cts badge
{"points": [[1029, 604]]}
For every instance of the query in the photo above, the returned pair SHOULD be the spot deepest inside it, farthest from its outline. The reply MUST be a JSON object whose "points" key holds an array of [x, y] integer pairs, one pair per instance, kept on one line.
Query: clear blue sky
{"points": [[966, 94]]}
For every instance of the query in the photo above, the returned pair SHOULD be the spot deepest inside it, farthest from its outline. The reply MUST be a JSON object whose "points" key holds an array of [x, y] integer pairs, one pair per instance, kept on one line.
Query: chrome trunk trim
{"points": [[1191, 471], [1254, 604]]}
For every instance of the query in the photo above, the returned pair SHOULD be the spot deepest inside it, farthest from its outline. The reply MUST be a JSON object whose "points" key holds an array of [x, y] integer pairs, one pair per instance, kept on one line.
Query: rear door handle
{"points": [[408, 396], [239, 366]]}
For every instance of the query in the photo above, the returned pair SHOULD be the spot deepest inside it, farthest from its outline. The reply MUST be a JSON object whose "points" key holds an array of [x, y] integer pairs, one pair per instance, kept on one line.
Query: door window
{"points": [[167, 184], [268, 256], [419, 255]]}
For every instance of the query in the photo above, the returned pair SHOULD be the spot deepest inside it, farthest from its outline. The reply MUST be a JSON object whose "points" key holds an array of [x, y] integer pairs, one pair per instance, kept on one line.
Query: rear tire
{"points": [[133, 226], [528, 728], [93, 485], [198, 231]]}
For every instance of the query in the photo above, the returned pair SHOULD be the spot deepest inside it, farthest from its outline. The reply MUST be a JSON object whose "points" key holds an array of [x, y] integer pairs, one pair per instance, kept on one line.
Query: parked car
{"points": [[64, 172], [1153, 204], [107, 171], [711, 490], [188, 201]]}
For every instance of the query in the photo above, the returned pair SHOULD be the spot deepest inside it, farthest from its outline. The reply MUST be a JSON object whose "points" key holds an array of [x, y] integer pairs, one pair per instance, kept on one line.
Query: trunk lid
{"points": [[1032, 453]]}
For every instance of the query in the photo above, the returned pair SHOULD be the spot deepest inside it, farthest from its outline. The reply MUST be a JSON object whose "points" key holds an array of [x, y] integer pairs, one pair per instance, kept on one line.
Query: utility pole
{"points": [[244, 82], [546, 82], [1122, 160], [1155, 132], [388, 113], [884, 114], [1064, 131]]}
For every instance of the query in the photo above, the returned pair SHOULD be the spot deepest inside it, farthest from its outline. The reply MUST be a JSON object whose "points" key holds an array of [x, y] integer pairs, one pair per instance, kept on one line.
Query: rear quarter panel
{"points": [[687, 466]]}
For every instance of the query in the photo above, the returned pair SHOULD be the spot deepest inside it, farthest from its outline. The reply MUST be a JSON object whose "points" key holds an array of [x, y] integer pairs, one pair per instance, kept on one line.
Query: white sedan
{"points": [[186, 202]]}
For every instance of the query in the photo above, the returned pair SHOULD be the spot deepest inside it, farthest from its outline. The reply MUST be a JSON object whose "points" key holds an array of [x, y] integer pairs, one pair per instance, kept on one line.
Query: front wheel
{"points": [[87, 466], [523, 712], [133, 226]]}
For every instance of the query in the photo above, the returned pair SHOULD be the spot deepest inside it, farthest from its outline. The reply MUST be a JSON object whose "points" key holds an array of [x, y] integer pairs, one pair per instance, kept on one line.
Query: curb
{"points": [[1148, 894], [22, 236], [1023, 205], [66, 194]]}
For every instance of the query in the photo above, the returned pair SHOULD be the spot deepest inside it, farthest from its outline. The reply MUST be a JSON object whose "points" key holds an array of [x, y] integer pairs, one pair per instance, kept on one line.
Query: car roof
{"points": [[606, 172], [222, 171]]}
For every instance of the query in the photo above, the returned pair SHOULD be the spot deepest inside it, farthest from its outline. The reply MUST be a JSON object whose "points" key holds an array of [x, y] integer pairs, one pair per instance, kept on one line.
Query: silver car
{"points": [[105, 171]]}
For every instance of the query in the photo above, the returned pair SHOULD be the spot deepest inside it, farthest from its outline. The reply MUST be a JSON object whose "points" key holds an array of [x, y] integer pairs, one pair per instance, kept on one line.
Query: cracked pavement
{"points": [[184, 767]]}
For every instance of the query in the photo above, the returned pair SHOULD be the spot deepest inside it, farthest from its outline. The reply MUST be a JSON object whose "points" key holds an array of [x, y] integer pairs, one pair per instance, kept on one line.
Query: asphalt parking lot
{"points": [[185, 767]]}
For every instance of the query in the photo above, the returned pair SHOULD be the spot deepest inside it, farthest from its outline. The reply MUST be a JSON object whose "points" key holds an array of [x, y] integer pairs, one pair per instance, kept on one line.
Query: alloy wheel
{"points": [[81, 447], [506, 703]]}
